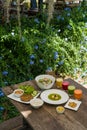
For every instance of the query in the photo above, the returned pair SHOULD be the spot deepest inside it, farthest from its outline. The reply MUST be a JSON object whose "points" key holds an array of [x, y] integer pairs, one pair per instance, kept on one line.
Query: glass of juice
{"points": [[59, 82], [71, 89], [78, 94], [65, 85]]}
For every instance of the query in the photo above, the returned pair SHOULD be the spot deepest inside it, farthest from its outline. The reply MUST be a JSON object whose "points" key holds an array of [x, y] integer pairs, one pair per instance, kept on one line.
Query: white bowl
{"points": [[41, 81], [60, 109], [18, 92], [36, 103]]}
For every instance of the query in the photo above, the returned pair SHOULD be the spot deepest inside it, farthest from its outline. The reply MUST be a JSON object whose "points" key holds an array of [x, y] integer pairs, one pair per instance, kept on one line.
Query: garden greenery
{"points": [[7, 110], [60, 47]]}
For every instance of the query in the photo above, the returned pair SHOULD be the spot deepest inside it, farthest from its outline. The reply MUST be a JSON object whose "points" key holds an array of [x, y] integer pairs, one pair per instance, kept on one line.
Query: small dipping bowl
{"points": [[60, 109], [18, 92], [36, 103]]}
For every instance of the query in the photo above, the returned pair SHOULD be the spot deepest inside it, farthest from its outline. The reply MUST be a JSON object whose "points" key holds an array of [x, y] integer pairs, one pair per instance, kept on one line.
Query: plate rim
{"points": [[54, 102]]}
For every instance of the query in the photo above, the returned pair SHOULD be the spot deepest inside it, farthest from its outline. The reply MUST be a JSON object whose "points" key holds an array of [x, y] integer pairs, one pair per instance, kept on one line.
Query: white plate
{"points": [[75, 101], [64, 96], [12, 96]]}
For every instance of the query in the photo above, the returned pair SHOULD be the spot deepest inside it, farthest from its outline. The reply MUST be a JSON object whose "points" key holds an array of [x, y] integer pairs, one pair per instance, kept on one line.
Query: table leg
{"points": [[26, 125]]}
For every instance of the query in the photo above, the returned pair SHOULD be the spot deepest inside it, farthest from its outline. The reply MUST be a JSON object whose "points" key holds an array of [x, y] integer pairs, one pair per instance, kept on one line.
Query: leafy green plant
{"points": [[6, 112], [39, 49]]}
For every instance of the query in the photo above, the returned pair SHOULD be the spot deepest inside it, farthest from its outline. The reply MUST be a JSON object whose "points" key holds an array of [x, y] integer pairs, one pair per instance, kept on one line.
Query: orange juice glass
{"points": [[59, 82], [78, 94]]}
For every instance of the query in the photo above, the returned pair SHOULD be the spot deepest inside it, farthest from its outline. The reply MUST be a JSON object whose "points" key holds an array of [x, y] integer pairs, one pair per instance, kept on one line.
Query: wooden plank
{"points": [[42, 119]]}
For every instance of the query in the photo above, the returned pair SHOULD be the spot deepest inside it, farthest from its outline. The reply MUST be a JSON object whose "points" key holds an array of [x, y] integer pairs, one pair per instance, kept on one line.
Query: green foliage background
{"points": [[61, 46]]}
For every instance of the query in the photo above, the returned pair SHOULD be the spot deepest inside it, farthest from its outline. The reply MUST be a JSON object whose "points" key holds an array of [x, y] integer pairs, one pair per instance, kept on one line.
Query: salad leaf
{"points": [[28, 89]]}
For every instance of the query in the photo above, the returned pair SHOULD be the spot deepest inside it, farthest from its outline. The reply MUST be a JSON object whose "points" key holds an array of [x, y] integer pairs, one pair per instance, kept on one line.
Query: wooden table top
{"points": [[46, 117]]}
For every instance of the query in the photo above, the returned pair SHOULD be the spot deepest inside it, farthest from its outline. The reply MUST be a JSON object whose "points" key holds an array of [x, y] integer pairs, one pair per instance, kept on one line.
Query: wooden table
{"points": [[46, 117]]}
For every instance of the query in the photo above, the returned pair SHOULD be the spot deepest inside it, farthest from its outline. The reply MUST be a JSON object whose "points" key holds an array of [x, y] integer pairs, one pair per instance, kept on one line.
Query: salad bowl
{"points": [[45, 81]]}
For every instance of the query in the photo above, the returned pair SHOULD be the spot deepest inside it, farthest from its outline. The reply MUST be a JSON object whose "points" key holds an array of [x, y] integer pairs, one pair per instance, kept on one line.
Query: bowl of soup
{"points": [[45, 81]]}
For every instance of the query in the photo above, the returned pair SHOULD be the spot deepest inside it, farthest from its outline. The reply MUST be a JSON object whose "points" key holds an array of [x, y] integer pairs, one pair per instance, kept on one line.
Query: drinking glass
{"points": [[78, 94], [65, 85], [71, 89], [59, 82]]}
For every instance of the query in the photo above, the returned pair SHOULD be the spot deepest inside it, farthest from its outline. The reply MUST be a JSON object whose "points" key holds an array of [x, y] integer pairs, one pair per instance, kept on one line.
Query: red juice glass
{"points": [[65, 85]]}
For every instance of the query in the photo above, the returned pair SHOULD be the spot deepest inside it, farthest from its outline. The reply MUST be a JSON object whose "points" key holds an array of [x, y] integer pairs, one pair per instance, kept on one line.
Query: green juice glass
{"points": [[71, 89]]}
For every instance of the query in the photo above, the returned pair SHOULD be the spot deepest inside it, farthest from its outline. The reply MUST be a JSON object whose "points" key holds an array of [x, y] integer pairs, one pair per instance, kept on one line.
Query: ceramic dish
{"points": [[45, 81], [60, 109], [73, 104], [18, 92], [36, 103], [19, 100], [59, 95]]}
